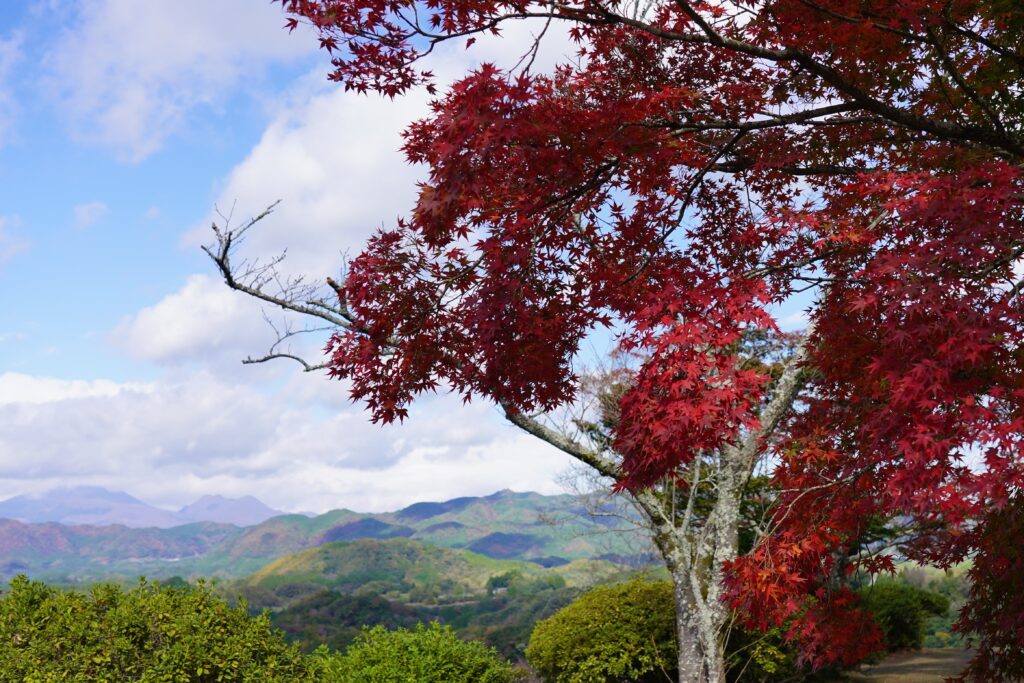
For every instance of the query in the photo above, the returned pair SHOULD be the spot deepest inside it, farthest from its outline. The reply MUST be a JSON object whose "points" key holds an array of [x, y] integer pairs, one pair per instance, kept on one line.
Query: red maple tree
{"points": [[698, 163]]}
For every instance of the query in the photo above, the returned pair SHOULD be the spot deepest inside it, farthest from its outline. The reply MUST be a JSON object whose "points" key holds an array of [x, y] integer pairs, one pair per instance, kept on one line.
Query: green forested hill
{"points": [[395, 569], [75, 553], [326, 594], [545, 530], [400, 569]]}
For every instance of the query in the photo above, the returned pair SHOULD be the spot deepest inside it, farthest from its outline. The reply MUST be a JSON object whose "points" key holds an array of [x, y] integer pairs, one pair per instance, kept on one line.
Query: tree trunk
{"points": [[701, 657], [691, 663]]}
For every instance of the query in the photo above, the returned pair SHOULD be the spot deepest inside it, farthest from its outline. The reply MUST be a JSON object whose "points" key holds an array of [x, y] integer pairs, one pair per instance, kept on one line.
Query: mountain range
{"points": [[548, 531], [96, 506]]}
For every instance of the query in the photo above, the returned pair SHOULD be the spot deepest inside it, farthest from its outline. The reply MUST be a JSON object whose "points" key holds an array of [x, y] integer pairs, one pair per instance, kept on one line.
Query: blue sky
{"points": [[122, 125], [96, 219]]}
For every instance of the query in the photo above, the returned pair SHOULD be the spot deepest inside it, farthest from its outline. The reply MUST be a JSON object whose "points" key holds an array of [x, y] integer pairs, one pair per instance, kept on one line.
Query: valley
{"points": [[546, 531]]}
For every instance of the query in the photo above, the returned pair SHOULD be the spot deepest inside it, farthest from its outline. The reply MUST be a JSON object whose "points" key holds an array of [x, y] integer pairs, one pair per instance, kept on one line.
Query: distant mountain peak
{"points": [[97, 506], [244, 511], [91, 492], [93, 505]]}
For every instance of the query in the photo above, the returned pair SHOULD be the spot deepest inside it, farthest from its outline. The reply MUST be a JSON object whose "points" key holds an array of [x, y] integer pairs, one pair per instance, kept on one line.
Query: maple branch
{"points": [[534, 48], [1015, 289], [713, 37], [561, 12], [941, 129], [1000, 50], [776, 522], [740, 165], [772, 120], [306, 366], [604, 465], [908, 35], [282, 336], [691, 499], [251, 278], [787, 389], [694, 183], [652, 507], [293, 294], [954, 73], [813, 258]]}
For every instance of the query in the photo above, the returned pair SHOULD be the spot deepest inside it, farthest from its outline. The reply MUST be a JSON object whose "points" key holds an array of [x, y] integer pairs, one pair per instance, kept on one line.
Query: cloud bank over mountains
{"points": [[297, 446], [187, 418]]}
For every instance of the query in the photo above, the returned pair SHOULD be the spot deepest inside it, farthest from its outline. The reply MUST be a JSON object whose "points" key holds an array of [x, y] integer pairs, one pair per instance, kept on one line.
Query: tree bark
{"points": [[701, 652], [692, 667]]}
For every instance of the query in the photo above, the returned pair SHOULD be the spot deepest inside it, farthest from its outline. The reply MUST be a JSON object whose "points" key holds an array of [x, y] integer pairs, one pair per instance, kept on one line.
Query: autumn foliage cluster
{"points": [[695, 164]]}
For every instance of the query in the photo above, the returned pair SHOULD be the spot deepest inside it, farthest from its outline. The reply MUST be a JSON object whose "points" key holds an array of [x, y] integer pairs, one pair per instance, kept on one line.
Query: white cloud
{"points": [[794, 321], [333, 159], [516, 462], [335, 163], [10, 244], [89, 214], [128, 73], [203, 320], [168, 442], [28, 389]]}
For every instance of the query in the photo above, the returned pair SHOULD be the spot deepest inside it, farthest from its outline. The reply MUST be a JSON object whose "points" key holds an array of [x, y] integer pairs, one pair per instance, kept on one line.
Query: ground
{"points": [[922, 666]]}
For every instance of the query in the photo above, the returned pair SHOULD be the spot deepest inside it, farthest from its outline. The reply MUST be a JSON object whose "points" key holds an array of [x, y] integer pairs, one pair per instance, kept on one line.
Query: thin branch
{"points": [[896, 115], [606, 466], [954, 73], [771, 121], [306, 366], [685, 204], [787, 389], [251, 281]]}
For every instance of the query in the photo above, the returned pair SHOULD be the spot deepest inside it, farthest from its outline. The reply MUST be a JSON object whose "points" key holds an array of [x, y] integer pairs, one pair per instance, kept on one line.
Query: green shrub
{"points": [[626, 632], [621, 632], [902, 611], [425, 654], [760, 657], [151, 633]]}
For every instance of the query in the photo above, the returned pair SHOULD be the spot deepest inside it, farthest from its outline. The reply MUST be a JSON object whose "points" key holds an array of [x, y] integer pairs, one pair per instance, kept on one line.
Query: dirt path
{"points": [[923, 666]]}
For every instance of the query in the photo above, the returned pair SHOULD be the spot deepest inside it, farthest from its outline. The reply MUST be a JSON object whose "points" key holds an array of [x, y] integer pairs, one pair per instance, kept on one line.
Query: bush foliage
{"points": [[177, 633], [150, 633], [902, 611], [626, 632], [621, 632], [424, 654]]}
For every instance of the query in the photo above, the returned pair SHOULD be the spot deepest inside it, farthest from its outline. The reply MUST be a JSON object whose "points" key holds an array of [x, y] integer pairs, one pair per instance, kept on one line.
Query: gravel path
{"points": [[923, 666]]}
